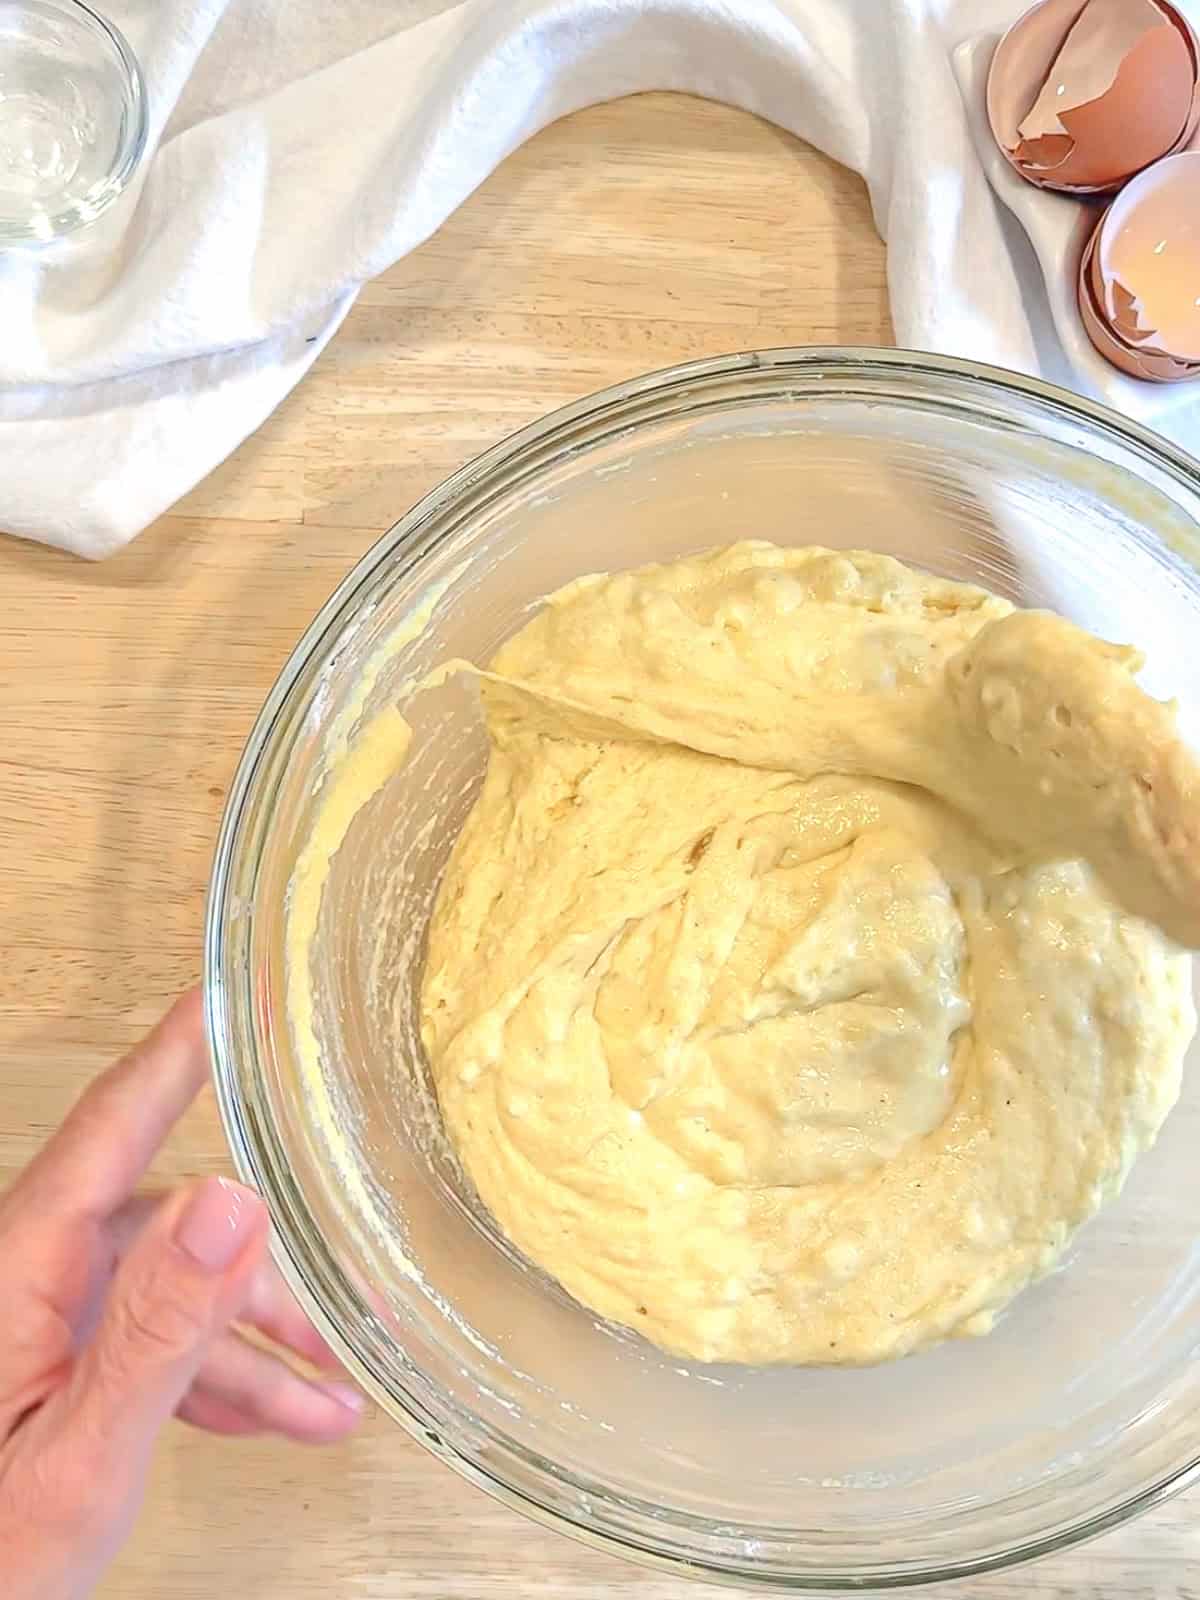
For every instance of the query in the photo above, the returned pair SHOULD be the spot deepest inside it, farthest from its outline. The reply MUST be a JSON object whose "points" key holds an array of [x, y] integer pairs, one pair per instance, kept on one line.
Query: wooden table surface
{"points": [[625, 238]]}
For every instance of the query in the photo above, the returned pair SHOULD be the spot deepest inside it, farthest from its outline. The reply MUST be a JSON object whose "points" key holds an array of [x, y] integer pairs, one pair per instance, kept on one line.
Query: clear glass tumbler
{"points": [[72, 118]]}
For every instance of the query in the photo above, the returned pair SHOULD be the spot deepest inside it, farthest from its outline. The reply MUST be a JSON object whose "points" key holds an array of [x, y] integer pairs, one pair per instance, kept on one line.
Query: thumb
{"points": [[175, 1292]]}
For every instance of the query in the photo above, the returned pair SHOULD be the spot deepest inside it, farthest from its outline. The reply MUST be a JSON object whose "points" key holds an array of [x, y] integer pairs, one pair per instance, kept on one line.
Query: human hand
{"points": [[119, 1312]]}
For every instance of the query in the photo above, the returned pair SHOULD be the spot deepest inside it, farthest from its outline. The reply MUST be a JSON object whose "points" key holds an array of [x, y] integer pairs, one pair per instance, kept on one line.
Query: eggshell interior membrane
{"points": [[1137, 362], [1146, 263], [1082, 94]]}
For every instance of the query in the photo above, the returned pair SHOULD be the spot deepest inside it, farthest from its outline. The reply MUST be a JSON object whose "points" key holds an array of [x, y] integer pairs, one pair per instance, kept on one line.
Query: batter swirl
{"points": [[806, 971]]}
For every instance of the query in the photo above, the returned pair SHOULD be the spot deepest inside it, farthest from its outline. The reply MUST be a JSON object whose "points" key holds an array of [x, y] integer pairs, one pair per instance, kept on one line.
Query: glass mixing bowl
{"points": [[1079, 1409]]}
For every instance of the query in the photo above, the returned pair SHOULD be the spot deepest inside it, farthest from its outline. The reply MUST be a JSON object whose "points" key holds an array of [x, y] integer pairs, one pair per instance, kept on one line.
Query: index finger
{"points": [[94, 1161]]}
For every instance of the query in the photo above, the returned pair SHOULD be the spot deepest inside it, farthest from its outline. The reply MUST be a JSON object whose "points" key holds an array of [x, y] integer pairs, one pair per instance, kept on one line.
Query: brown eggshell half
{"points": [[1137, 363], [1192, 39], [1150, 107], [1140, 119], [1145, 272]]}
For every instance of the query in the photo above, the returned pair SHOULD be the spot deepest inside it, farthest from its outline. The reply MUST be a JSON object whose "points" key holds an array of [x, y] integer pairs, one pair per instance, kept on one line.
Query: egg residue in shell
{"points": [[1139, 279], [1083, 94]]}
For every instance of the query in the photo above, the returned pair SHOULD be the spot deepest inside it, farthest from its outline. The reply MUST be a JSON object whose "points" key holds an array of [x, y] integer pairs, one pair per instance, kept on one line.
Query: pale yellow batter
{"points": [[789, 995]]}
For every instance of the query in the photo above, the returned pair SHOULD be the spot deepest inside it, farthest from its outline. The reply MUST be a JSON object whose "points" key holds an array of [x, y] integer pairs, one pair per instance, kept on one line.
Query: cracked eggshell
{"points": [[1082, 94], [1150, 369], [1116, 313], [1146, 264]]}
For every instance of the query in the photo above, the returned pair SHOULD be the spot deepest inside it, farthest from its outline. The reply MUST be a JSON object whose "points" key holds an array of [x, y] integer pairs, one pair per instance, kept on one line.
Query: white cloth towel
{"points": [[297, 150]]}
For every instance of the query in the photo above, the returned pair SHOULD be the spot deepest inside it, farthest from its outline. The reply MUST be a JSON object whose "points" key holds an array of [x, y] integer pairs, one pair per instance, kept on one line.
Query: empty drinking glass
{"points": [[72, 118]]}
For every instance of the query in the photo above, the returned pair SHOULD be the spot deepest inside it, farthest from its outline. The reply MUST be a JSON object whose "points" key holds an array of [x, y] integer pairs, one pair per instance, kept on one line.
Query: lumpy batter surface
{"points": [[805, 972]]}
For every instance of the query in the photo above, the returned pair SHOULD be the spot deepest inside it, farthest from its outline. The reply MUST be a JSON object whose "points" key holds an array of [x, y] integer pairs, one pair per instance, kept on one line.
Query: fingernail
{"points": [[346, 1395], [216, 1222]]}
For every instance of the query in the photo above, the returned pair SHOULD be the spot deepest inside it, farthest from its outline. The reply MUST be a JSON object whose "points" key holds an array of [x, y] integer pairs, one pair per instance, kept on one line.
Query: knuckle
{"points": [[158, 1317]]}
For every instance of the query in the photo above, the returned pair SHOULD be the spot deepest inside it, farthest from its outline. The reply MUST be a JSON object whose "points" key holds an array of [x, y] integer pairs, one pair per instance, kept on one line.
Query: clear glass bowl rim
{"points": [[519, 1478], [129, 152]]}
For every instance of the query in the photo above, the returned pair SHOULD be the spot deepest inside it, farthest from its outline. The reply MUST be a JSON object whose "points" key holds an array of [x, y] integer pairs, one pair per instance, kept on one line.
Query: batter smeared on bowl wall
{"points": [[806, 971]]}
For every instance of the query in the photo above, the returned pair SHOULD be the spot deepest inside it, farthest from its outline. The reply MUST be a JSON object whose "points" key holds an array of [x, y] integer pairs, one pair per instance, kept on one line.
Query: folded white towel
{"points": [[296, 151]]}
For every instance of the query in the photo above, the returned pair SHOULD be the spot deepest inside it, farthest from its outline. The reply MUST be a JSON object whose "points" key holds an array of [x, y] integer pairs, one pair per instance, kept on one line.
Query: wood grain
{"points": [[622, 239]]}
